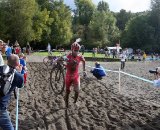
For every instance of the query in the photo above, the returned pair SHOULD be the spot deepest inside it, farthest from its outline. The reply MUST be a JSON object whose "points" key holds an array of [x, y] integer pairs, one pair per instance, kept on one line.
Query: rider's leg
{"points": [[76, 88], [67, 98], [68, 85]]}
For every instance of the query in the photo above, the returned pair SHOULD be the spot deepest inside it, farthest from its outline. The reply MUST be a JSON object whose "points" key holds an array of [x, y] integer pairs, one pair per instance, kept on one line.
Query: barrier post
{"points": [[119, 80]]}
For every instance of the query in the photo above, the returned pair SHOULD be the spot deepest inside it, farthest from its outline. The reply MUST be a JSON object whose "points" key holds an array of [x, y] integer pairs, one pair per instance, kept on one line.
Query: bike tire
{"points": [[45, 61], [57, 80]]}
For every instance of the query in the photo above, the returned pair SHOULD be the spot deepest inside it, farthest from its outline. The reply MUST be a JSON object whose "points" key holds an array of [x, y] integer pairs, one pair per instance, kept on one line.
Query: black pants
{"points": [[122, 65]]}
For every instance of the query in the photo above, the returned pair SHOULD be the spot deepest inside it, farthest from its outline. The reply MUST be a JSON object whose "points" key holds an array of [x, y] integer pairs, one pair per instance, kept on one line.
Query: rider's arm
{"points": [[84, 64]]}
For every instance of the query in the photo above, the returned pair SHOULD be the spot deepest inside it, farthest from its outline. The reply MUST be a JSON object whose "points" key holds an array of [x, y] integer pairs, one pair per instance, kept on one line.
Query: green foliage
{"points": [[43, 21], [138, 33], [84, 11], [104, 32], [122, 18], [3, 21], [20, 19], [61, 32], [41, 24], [103, 6], [155, 22]]}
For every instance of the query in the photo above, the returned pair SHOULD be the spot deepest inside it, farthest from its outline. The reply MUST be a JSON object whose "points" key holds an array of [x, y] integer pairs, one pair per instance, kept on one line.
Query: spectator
{"points": [[82, 49], [22, 63], [157, 81], [123, 60], [5, 121], [144, 56], [25, 72], [28, 48], [17, 49], [49, 49], [114, 54], [139, 57], [1, 45], [152, 56], [94, 52], [1, 60], [98, 71], [8, 52]]}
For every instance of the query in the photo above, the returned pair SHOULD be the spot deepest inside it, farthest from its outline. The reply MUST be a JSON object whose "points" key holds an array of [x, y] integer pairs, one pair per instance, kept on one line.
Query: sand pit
{"points": [[102, 107]]}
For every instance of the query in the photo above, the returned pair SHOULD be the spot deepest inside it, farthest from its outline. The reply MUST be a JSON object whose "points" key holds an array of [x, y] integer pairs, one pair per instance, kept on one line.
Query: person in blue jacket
{"points": [[98, 71]]}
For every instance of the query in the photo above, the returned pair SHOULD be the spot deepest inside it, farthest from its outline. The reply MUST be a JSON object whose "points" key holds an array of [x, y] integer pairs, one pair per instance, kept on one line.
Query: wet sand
{"points": [[101, 105]]}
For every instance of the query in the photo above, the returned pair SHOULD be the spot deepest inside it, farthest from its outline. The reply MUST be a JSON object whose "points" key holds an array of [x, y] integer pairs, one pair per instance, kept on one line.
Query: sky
{"points": [[117, 5]]}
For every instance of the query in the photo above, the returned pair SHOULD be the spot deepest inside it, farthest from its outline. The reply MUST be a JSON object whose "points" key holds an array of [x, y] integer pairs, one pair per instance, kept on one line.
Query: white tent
{"points": [[114, 48]]}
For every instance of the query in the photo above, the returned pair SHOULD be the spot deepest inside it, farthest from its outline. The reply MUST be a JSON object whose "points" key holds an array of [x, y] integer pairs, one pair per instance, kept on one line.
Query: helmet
{"points": [[75, 46]]}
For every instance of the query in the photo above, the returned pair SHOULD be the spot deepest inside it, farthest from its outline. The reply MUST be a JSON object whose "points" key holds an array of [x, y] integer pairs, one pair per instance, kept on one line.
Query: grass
{"points": [[86, 54]]}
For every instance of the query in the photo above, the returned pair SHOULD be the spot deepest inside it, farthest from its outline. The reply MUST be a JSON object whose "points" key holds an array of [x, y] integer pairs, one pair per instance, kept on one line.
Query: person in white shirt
{"points": [[156, 82], [1, 60], [123, 60], [49, 49]]}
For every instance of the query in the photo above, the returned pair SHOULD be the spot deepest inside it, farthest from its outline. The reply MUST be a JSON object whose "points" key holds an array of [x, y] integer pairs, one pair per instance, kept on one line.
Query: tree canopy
{"points": [[41, 22]]}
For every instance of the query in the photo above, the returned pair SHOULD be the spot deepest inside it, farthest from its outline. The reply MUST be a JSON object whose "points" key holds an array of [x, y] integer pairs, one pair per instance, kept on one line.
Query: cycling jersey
{"points": [[72, 75]]}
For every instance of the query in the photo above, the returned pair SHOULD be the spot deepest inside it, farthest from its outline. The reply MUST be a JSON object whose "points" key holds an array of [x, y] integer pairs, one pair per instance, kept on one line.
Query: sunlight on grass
{"points": [[87, 54]]}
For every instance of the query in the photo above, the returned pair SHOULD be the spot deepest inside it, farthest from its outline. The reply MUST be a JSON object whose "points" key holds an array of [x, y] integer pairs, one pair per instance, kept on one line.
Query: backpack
{"points": [[6, 79]]}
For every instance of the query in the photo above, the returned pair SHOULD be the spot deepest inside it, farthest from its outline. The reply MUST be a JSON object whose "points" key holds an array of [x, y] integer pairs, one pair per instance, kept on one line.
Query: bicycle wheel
{"points": [[57, 81], [45, 61]]}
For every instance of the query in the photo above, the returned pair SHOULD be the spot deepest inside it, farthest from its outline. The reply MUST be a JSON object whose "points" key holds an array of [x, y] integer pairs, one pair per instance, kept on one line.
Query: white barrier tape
{"points": [[146, 80], [134, 76]]}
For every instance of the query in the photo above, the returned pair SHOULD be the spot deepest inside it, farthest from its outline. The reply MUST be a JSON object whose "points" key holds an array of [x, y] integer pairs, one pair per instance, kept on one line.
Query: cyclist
{"points": [[72, 74]]}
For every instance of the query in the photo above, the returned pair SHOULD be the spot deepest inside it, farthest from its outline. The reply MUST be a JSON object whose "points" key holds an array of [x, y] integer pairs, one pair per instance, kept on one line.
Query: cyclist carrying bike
{"points": [[72, 75]]}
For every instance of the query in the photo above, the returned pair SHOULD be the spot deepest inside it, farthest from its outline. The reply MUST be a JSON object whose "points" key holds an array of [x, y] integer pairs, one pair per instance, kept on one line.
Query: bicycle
{"points": [[57, 80], [50, 59]]}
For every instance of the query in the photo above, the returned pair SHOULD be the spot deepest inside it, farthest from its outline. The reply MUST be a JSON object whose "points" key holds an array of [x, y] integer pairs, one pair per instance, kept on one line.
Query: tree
{"points": [[103, 6], [82, 17], [61, 32], [122, 18], [84, 11], [103, 32], [19, 17], [138, 33], [155, 22], [3, 20], [24, 21], [41, 24]]}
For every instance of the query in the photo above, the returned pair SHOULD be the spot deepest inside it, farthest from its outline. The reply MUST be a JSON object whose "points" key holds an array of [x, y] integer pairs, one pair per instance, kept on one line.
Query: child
{"points": [[23, 63], [98, 71]]}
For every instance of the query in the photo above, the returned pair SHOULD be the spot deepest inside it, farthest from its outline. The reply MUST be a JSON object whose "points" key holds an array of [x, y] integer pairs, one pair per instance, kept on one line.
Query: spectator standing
{"points": [[28, 48], [123, 60], [5, 121], [8, 52]]}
